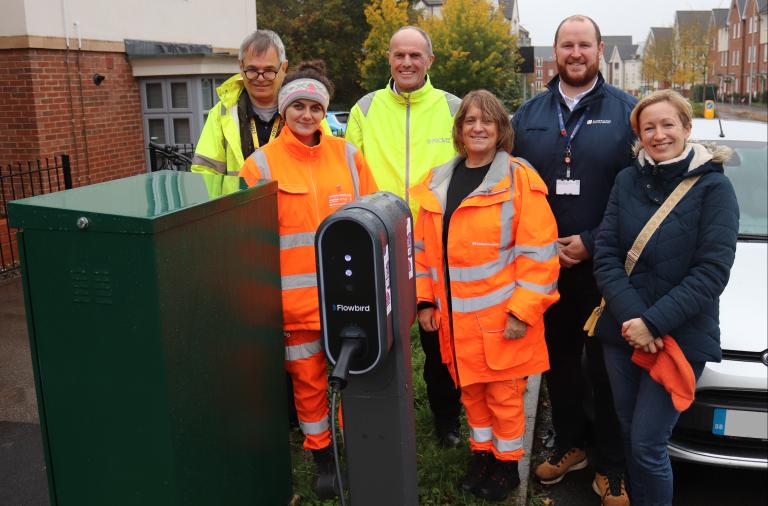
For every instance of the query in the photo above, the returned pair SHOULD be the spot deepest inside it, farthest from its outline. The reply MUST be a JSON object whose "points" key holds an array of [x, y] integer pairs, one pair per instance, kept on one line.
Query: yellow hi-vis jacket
{"points": [[403, 135], [501, 259], [219, 149]]}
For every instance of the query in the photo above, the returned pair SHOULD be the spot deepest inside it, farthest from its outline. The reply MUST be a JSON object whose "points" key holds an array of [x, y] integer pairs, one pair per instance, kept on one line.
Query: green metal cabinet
{"points": [[155, 324]]}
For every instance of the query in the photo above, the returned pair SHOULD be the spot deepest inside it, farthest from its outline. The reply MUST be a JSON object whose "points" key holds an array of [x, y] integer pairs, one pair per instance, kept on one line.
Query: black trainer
{"points": [[499, 482], [479, 466], [326, 484]]}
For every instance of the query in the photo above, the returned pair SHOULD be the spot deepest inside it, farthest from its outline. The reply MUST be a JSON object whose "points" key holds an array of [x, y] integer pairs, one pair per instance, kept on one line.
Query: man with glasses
{"points": [[404, 130], [242, 122]]}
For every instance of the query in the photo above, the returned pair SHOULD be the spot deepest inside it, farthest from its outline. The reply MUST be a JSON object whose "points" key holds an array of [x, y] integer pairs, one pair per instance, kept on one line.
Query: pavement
{"points": [[755, 112], [23, 480]]}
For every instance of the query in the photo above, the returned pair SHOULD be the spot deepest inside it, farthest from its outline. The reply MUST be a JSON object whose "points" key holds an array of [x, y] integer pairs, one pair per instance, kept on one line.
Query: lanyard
{"points": [[568, 155], [272, 134]]}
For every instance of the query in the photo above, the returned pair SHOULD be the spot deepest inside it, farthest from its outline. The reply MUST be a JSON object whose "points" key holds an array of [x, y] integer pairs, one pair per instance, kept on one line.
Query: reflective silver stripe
{"points": [[350, 151], [261, 160], [419, 245], [507, 213], [314, 427], [299, 281], [496, 297], [233, 172], [433, 271], [224, 109], [420, 274], [481, 434], [453, 102], [289, 241], [538, 253], [302, 351], [478, 272], [365, 103], [545, 289], [507, 445], [216, 165]]}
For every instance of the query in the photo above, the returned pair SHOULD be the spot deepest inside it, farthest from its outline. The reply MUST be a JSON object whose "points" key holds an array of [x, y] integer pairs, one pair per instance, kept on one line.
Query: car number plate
{"points": [[733, 422]]}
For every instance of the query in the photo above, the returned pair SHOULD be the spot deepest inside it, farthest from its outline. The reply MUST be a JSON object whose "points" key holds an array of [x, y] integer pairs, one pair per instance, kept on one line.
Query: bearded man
{"points": [[577, 135]]}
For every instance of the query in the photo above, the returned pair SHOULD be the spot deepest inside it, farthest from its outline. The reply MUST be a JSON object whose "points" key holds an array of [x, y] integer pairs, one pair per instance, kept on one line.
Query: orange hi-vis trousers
{"points": [[305, 362], [496, 417]]}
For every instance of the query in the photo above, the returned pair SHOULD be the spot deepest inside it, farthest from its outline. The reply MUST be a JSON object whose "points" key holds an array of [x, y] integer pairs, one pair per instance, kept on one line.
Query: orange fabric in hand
{"points": [[671, 369]]}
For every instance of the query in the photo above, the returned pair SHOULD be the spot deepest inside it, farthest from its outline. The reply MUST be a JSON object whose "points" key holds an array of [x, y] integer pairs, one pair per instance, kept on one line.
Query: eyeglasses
{"points": [[253, 74]]}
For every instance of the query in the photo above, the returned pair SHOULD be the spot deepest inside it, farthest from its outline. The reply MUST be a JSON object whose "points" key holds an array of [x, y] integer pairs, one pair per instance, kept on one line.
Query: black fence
{"points": [[21, 180], [170, 156]]}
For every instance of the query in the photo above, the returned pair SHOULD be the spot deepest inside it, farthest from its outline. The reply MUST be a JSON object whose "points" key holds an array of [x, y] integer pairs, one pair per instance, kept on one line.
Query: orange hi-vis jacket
{"points": [[312, 183], [501, 258]]}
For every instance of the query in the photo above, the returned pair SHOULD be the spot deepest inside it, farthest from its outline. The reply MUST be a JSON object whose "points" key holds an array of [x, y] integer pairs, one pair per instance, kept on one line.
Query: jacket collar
{"points": [[597, 91], [297, 148], [694, 157], [230, 90], [432, 192], [413, 96]]}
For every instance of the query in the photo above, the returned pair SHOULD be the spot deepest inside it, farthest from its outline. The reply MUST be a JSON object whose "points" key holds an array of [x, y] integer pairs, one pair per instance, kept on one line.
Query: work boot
{"points": [[479, 467], [502, 478], [559, 464], [326, 484], [447, 431], [611, 489]]}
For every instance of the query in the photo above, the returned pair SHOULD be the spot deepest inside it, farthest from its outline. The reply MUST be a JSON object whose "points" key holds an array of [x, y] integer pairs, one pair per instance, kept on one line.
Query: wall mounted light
{"points": [[97, 79]]}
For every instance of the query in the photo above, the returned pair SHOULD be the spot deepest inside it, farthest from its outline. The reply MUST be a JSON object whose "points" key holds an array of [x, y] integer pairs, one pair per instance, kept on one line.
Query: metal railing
{"points": [[170, 156], [27, 179]]}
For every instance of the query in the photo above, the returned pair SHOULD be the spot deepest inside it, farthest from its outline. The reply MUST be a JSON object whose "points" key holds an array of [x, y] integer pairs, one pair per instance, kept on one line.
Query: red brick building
{"points": [[742, 71]]}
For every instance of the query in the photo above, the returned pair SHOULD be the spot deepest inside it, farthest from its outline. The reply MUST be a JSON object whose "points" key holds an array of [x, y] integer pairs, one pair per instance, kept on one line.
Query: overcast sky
{"points": [[618, 17]]}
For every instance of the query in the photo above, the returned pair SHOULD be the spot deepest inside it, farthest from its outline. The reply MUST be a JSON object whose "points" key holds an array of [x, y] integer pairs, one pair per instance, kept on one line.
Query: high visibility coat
{"points": [[312, 183], [501, 258], [403, 135], [219, 149]]}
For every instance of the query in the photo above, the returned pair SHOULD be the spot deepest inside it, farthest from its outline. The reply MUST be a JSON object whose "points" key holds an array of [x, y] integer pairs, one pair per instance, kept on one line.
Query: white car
{"points": [[727, 425]]}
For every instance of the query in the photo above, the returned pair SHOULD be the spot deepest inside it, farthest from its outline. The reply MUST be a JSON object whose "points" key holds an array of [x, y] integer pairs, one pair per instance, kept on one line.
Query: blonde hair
{"points": [[684, 109], [492, 109]]}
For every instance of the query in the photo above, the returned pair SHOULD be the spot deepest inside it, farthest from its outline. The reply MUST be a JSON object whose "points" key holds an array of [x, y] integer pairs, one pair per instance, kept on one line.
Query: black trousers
{"points": [[566, 379], [444, 397]]}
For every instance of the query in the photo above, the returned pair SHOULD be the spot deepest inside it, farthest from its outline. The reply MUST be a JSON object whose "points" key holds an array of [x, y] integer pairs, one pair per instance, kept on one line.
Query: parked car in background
{"points": [[727, 425], [337, 120]]}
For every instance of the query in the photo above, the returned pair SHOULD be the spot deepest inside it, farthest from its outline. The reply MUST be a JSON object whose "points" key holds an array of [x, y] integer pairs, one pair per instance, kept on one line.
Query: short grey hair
{"points": [[422, 32], [260, 41]]}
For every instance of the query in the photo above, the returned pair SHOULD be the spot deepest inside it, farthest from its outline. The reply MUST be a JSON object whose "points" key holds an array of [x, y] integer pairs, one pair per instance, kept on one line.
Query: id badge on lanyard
{"points": [[568, 186], [272, 134]]}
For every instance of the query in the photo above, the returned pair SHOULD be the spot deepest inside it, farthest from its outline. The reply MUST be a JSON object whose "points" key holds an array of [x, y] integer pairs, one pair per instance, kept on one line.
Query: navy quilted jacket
{"points": [[677, 281]]}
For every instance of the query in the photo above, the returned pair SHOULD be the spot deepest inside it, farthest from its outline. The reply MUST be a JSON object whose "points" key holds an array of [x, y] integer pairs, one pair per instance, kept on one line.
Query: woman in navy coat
{"points": [[676, 283]]}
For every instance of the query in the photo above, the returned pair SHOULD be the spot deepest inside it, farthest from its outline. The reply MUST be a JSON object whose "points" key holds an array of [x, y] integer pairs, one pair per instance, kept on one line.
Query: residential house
{"points": [[625, 68], [690, 49], [611, 41], [544, 69], [99, 80], [718, 50], [509, 8], [753, 74], [658, 48]]}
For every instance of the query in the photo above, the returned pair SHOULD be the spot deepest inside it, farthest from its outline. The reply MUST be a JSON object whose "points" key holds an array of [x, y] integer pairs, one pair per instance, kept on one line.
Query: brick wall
{"points": [[43, 114]]}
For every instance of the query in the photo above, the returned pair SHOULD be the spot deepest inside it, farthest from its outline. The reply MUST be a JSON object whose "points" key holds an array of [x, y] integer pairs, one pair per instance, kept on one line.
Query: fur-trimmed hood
{"points": [[703, 153]]}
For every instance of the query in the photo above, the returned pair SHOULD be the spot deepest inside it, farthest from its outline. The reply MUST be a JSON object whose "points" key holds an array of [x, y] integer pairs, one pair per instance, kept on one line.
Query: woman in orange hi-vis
{"points": [[486, 270], [316, 174]]}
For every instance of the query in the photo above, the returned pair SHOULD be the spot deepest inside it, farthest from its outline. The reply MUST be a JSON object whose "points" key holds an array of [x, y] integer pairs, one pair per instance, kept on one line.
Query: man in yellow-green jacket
{"points": [[241, 122], [403, 131]]}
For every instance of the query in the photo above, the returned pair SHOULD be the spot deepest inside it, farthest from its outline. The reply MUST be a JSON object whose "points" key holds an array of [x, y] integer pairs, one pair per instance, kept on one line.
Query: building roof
{"points": [[615, 40], [149, 48], [433, 3], [507, 7], [742, 5], [661, 33], [544, 52], [692, 18], [627, 51], [720, 17], [762, 6]]}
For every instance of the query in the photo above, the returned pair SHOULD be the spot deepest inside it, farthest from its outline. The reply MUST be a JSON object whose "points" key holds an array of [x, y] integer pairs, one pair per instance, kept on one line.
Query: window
{"points": [[174, 109], [538, 73], [765, 52], [551, 72], [724, 58], [539, 61], [615, 65]]}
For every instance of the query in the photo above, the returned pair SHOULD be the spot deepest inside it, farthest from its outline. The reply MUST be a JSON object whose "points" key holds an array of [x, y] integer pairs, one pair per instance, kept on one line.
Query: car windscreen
{"points": [[342, 117], [748, 171]]}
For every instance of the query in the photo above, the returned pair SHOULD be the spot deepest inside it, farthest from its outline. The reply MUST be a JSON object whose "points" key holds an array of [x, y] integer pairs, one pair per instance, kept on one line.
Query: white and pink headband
{"points": [[304, 88]]}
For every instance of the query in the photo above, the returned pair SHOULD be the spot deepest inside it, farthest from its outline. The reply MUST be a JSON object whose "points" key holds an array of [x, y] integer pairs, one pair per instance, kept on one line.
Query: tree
{"points": [[384, 17], [657, 61], [473, 49], [690, 54], [325, 29]]}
